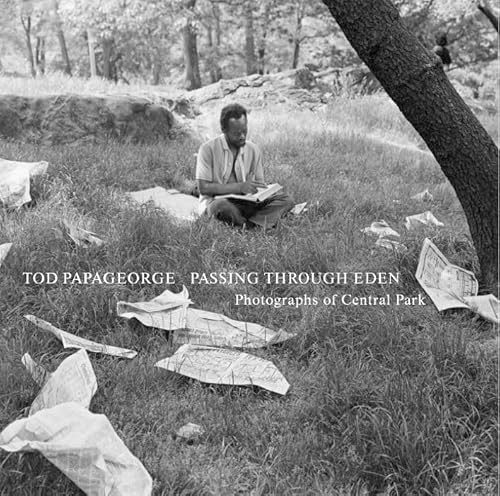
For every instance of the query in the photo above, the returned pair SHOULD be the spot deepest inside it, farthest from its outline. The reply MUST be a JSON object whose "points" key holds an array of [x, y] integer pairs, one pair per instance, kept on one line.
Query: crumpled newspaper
{"points": [[424, 219], [180, 206], [380, 229], [390, 244], [84, 446], [299, 208], [15, 181], [223, 366], [4, 250], [171, 312], [80, 236], [69, 340], [74, 380], [423, 196]]}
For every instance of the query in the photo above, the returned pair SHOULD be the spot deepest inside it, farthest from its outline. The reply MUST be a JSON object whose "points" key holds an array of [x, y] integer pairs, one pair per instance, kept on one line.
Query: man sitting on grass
{"points": [[229, 164]]}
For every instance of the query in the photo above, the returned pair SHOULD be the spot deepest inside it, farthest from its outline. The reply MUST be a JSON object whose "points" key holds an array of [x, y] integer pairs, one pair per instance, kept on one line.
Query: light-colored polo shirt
{"points": [[214, 163]]}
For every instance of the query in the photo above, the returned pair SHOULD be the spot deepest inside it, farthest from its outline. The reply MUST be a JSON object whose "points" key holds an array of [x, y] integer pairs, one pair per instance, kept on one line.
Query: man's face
{"points": [[236, 131]]}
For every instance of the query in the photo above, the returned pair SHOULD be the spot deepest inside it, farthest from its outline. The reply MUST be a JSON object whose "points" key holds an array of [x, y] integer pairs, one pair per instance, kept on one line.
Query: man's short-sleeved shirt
{"points": [[215, 164]]}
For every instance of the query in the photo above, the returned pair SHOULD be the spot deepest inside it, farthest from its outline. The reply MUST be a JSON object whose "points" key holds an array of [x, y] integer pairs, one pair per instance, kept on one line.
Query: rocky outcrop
{"points": [[296, 88], [75, 118]]}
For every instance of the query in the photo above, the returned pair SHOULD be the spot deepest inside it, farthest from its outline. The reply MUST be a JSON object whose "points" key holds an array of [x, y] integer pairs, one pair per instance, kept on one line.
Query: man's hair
{"points": [[233, 111]]}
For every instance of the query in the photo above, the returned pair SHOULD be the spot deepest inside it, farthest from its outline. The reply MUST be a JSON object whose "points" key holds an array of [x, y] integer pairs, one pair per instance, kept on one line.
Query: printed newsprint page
{"points": [[69, 340], [84, 446], [446, 284], [74, 380], [222, 366]]}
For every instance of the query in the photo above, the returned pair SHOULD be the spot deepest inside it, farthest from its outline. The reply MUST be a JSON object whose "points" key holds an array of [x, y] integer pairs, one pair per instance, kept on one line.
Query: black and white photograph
{"points": [[249, 247]]}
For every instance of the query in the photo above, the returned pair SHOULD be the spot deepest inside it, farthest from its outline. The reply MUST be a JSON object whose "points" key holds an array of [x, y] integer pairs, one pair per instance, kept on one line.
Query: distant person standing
{"points": [[440, 49], [229, 164]]}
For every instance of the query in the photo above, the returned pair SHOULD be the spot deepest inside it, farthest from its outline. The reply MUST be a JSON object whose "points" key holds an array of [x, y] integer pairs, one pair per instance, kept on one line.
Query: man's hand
{"points": [[248, 187]]}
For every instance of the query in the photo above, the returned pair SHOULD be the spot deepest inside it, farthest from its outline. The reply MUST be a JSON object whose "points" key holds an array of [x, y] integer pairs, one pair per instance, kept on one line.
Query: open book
{"points": [[261, 195]]}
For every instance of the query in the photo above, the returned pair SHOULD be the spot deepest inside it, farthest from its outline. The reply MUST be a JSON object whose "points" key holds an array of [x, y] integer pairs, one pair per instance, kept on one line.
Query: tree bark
{"points": [[64, 51], [40, 55], [261, 52], [192, 67], [107, 47], [157, 67], [27, 31], [298, 33], [251, 63], [489, 14], [213, 58], [416, 81], [54, 5], [216, 71], [93, 66]]}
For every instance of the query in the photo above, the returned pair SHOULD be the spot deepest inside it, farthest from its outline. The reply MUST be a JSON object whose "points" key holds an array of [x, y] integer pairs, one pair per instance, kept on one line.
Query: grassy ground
{"points": [[382, 399]]}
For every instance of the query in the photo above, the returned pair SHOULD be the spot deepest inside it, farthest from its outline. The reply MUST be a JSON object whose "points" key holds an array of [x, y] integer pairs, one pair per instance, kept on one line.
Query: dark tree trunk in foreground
{"points": [[192, 70], [416, 81], [489, 14]]}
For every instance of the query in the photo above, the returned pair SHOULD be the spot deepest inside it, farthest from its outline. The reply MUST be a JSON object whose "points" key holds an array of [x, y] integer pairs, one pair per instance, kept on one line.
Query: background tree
{"points": [[191, 63], [415, 80]]}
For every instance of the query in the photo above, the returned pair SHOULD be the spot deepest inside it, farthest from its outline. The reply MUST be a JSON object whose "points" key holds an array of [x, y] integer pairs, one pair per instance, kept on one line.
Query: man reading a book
{"points": [[231, 179]]}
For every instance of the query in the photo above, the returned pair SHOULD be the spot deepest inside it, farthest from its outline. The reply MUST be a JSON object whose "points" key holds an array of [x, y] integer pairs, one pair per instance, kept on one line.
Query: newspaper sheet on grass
{"points": [[74, 380], [166, 311], [485, 305], [84, 446], [81, 237], [15, 181], [299, 208], [450, 286], [423, 196], [424, 219], [182, 207], [390, 244], [38, 373], [195, 326], [4, 250], [71, 341], [380, 229], [223, 366]]}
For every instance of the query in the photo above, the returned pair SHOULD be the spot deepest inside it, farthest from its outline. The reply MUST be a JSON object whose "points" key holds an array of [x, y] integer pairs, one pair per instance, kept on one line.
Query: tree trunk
{"points": [[261, 52], [40, 55], [214, 47], [27, 31], [485, 9], [192, 71], [157, 67], [93, 66], [251, 64], [60, 36], [107, 47], [64, 51], [298, 34], [416, 81], [213, 57]]}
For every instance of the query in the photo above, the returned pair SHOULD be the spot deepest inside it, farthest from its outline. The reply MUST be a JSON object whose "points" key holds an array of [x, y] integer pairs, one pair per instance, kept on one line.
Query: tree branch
{"points": [[489, 14]]}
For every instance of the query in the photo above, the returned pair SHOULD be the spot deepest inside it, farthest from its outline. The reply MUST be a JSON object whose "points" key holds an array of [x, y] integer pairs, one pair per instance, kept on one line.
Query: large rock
{"points": [[72, 118], [295, 88]]}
